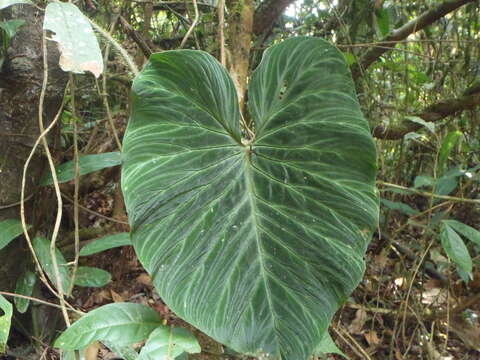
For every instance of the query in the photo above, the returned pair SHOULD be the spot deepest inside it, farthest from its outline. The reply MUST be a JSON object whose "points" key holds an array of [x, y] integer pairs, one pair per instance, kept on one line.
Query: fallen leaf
{"points": [[372, 338], [144, 279], [116, 297], [91, 352], [357, 323]]}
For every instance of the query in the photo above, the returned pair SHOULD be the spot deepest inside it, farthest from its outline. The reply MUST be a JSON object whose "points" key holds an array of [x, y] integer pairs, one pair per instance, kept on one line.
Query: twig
{"points": [[376, 43], [104, 93], [139, 40], [351, 342], [121, 50], [41, 273], [58, 219], [404, 317], [16, 203], [195, 21], [221, 33], [429, 194], [95, 213], [76, 185], [43, 302]]}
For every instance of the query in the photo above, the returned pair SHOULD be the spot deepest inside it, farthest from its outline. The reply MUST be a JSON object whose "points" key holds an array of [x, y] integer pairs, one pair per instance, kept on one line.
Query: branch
{"points": [[180, 6], [267, 14], [139, 40], [419, 23], [469, 100]]}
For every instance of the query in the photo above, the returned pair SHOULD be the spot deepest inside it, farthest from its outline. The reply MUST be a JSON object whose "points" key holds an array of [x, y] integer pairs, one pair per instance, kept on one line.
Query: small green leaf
{"points": [[92, 277], [399, 206], [120, 323], [455, 248], [448, 144], [25, 284], [383, 21], [9, 230], [11, 27], [106, 243], [349, 58], [469, 232], [79, 49], [42, 249], [430, 126], [6, 3], [87, 164], [328, 346], [167, 343], [5, 322], [449, 181], [423, 180]]}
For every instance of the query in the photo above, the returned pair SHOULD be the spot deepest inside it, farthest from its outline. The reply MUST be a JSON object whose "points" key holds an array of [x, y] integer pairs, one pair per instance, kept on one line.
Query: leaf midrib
{"points": [[252, 200]]}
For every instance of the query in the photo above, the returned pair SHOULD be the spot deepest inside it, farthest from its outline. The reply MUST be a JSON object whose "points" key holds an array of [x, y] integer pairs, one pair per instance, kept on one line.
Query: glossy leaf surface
{"points": [[256, 242], [166, 343], [11, 27], [87, 164], [24, 286], [455, 248], [78, 45], [9, 230], [42, 249], [328, 346], [5, 322], [399, 206], [469, 232], [106, 243], [6, 3], [120, 323], [448, 143], [92, 277]]}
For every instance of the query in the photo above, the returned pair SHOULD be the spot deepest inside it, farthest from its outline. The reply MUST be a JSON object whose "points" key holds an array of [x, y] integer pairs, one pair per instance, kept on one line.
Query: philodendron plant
{"points": [[254, 236]]}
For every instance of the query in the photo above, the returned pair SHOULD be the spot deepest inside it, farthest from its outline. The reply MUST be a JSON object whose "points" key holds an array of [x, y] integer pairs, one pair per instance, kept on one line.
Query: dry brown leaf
{"points": [[372, 338], [91, 352], [116, 297], [467, 331], [357, 323], [144, 279]]}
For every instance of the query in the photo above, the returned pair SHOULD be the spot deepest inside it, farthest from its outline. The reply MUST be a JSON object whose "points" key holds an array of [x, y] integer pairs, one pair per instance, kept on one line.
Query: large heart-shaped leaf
{"points": [[255, 241]]}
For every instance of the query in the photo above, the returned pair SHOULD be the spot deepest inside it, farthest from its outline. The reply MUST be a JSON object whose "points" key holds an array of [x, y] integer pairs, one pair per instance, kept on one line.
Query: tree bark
{"points": [[20, 86], [267, 14], [240, 29]]}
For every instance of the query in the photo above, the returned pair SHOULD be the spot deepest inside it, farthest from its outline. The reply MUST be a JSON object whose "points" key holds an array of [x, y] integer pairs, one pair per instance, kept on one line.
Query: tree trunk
{"points": [[240, 29], [20, 86]]}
